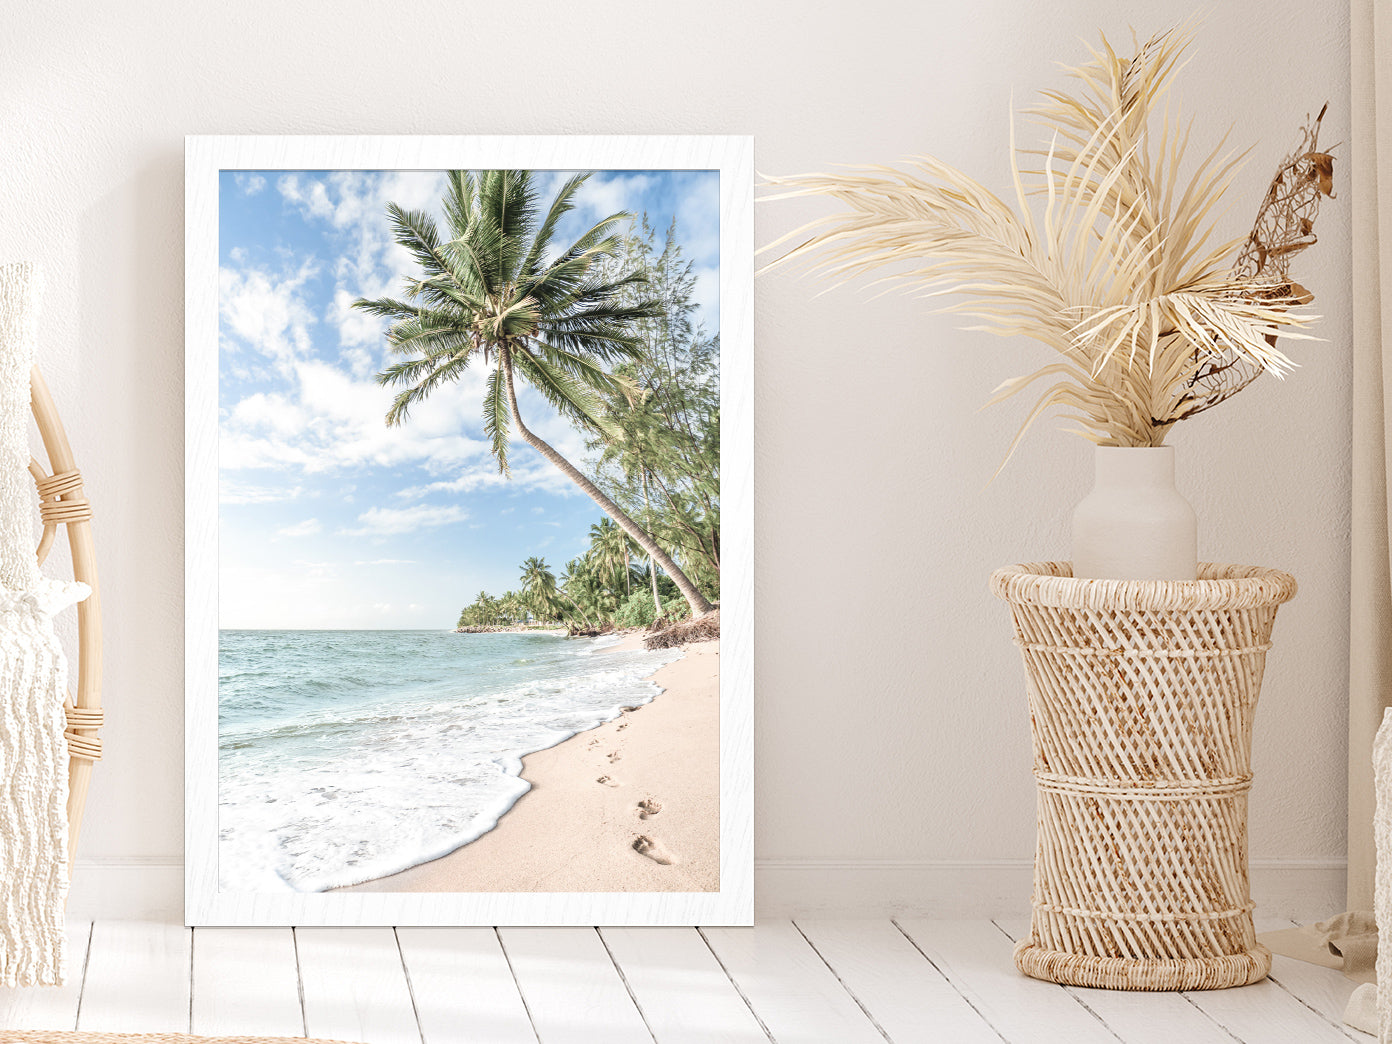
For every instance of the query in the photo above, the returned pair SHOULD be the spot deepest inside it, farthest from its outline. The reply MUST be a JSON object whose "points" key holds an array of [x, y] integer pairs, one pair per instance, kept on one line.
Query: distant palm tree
{"points": [[512, 608], [498, 289], [609, 554], [484, 611], [539, 587], [580, 588]]}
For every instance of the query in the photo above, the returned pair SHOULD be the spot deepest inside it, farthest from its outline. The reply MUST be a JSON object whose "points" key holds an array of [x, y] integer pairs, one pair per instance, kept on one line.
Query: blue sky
{"points": [[329, 519]]}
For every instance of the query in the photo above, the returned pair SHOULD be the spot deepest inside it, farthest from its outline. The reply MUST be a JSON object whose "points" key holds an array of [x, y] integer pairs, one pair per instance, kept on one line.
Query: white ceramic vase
{"points": [[1134, 525]]}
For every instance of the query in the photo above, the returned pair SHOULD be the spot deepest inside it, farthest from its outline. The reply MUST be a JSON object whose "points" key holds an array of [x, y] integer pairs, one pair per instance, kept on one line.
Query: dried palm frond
{"points": [[1285, 226], [1118, 274]]}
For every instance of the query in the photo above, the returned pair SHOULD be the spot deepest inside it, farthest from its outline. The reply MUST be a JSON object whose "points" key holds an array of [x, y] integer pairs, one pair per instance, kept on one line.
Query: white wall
{"points": [[892, 740]]}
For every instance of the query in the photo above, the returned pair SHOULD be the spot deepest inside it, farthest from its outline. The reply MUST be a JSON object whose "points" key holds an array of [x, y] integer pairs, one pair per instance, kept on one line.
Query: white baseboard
{"points": [[127, 890], [1296, 889], [109, 889]]}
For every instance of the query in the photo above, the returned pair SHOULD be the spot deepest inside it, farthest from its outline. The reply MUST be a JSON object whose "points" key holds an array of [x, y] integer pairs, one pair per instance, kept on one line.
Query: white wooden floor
{"points": [[829, 982]]}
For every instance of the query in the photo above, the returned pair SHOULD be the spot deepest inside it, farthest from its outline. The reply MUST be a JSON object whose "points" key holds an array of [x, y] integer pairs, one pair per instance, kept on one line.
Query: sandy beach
{"points": [[630, 806]]}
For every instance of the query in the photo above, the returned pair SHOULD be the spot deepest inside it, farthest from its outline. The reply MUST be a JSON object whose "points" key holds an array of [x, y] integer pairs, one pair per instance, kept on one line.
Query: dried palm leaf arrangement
{"points": [[1154, 321]]}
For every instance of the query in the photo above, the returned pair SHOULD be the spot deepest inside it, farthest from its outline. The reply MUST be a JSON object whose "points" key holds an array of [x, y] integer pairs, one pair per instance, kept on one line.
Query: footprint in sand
{"points": [[622, 727], [608, 781], [654, 850], [614, 756], [648, 808]]}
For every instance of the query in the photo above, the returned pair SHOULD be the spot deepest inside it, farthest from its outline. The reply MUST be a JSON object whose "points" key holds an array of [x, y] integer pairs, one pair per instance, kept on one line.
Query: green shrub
{"points": [[637, 609]]}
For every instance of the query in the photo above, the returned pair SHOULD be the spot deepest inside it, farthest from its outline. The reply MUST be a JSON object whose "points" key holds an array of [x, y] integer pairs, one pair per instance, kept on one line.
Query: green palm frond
{"points": [[387, 308], [416, 231], [497, 284], [495, 418], [584, 369], [566, 394], [561, 205]]}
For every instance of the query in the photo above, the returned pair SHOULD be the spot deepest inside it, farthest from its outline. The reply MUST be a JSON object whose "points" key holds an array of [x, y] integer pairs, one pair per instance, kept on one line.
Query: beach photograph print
{"points": [[468, 531]]}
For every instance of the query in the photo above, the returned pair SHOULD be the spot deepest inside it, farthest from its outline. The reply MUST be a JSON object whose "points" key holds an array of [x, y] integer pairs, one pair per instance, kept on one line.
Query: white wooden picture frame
{"points": [[208, 160]]}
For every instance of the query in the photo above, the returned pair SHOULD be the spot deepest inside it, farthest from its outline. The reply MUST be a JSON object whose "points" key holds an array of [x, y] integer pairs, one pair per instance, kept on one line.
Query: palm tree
{"points": [[609, 553], [484, 611], [631, 452], [539, 587], [512, 607], [499, 290], [582, 590]]}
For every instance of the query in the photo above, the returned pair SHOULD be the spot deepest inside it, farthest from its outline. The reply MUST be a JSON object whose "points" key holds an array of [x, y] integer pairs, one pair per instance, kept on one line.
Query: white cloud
{"points": [[466, 483], [310, 195], [606, 194], [243, 493], [706, 294], [309, 527], [355, 328], [698, 221], [316, 570], [328, 420], [250, 184], [386, 561], [394, 521], [355, 203], [266, 312]]}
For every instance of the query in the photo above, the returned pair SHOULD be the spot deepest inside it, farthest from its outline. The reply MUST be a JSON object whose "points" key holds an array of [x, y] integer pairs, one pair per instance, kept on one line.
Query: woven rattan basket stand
{"points": [[1141, 697]]}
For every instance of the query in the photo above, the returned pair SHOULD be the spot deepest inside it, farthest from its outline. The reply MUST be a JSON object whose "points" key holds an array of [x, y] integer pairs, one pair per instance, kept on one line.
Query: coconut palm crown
{"points": [[1120, 273], [497, 290], [539, 587]]}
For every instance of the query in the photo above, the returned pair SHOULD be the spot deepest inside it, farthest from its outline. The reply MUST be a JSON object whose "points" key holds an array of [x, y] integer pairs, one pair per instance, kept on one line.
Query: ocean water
{"points": [[349, 755]]}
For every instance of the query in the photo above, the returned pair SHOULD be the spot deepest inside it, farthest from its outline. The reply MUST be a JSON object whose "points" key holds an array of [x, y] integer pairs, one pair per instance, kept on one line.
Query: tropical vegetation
{"points": [[592, 596], [607, 329], [572, 321]]}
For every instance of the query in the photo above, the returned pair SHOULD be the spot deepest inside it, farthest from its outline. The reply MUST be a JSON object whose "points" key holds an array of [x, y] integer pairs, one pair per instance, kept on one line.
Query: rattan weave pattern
{"points": [[1141, 698]]}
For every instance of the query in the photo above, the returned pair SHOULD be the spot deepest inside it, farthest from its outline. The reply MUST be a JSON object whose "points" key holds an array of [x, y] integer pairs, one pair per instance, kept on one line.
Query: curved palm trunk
{"points": [[694, 598], [652, 566]]}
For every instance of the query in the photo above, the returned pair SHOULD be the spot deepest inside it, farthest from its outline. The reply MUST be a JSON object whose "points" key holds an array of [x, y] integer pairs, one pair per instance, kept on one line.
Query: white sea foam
{"points": [[319, 790], [594, 645]]}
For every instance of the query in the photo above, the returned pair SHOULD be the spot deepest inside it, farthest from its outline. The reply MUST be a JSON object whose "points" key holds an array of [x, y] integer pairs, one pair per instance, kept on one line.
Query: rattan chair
{"points": [[62, 502]]}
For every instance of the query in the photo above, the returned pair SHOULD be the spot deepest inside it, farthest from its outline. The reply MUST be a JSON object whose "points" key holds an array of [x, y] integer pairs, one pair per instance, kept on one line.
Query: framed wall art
{"points": [[469, 530]]}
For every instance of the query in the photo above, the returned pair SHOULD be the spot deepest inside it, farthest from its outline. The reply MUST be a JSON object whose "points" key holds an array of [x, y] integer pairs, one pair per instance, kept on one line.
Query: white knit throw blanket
{"points": [[33, 681], [1382, 881]]}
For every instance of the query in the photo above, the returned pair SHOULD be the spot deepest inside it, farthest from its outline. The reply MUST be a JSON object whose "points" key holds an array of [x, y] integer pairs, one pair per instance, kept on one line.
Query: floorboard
{"points": [[976, 957], [1140, 1017], [50, 1008], [464, 989], [914, 981], [355, 986], [791, 990], [246, 982], [906, 996], [137, 978], [574, 993], [1266, 1014], [683, 993], [1324, 990]]}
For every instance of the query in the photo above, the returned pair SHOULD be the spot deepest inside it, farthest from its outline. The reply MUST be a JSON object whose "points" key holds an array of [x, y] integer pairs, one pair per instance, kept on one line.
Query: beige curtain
{"points": [[1370, 654]]}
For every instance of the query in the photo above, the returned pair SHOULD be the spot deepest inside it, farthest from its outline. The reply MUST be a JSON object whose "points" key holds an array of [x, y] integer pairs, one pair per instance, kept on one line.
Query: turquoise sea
{"points": [[347, 755]]}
